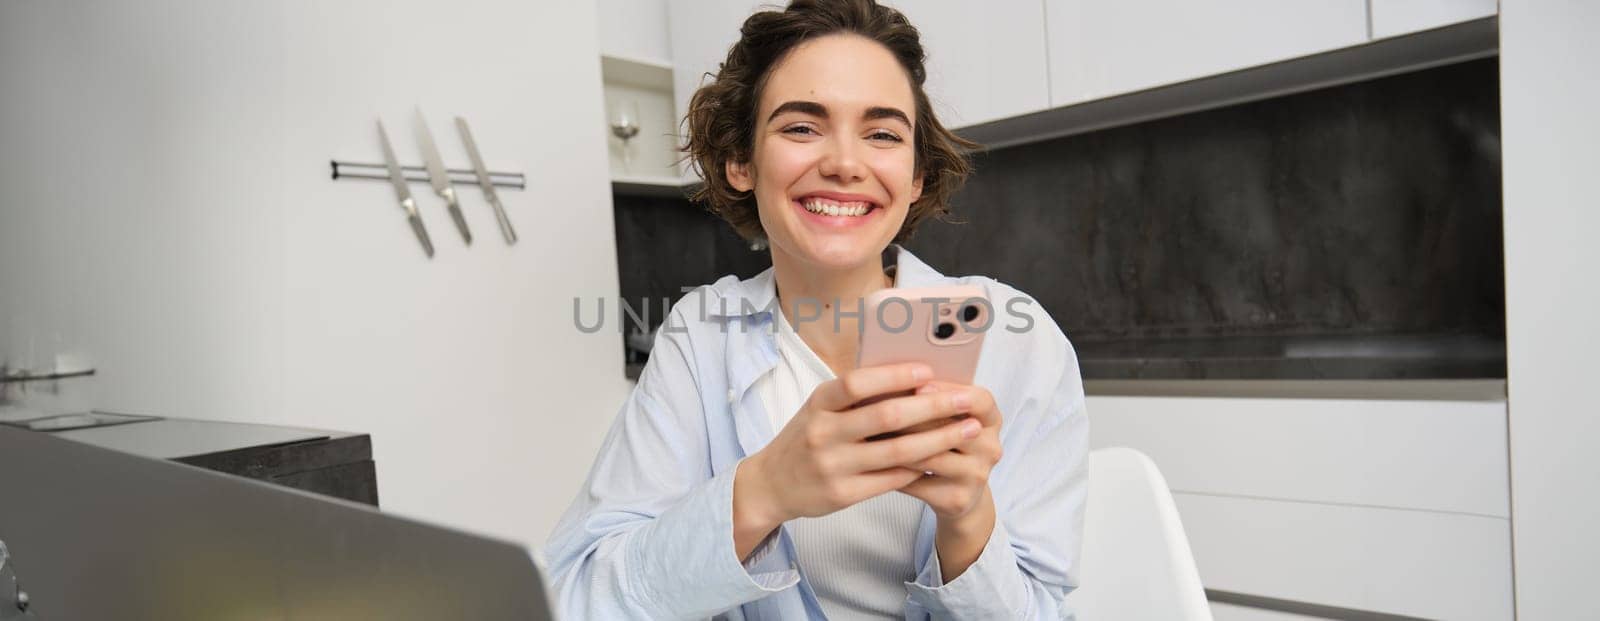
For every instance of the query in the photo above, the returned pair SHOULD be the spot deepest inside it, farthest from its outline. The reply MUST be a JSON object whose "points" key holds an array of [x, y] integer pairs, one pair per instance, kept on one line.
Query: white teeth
{"points": [[830, 208]]}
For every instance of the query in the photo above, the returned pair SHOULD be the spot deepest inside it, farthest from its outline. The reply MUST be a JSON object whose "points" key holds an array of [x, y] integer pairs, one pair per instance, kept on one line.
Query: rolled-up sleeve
{"points": [[650, 535], [1040, 487], [990, 588]]}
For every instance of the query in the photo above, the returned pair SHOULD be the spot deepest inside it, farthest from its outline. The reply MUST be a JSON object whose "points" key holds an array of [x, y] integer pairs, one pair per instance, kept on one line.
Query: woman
{"points": [[739, 479]]}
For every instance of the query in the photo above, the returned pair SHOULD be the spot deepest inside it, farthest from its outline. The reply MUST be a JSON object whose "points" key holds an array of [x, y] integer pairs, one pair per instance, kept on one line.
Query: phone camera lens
{"points": [[944, 330], [969, 313]]}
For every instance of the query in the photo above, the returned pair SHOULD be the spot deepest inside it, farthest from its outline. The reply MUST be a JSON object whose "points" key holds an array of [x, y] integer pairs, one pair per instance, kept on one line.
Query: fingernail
{"points": [[961, 401], [927, 388], [970, 429], [921, 373]]}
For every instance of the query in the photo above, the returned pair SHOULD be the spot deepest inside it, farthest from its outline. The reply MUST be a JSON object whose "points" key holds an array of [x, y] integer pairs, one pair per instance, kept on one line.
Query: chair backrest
{"points": [[1136, 562]]}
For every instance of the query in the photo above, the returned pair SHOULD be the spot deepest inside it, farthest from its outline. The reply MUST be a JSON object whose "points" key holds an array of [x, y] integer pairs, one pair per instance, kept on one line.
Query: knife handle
{"points": [[461, 221], [422, 234], [505, 222]]}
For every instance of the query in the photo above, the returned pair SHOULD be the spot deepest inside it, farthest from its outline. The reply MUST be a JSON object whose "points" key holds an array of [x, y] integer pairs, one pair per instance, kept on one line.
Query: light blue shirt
{"points": [[650, 535]]}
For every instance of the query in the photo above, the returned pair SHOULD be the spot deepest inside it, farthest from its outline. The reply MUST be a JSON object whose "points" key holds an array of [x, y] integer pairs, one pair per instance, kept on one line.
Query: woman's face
{"points": [[833, 169]]}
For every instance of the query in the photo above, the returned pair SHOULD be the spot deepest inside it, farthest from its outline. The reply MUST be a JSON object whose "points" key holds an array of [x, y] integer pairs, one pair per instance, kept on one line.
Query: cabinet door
{"points": [[700, 33], [986, 60], [1099, 49], [1445, 456], [635, 29], [1398, 17], [1392, 561]]}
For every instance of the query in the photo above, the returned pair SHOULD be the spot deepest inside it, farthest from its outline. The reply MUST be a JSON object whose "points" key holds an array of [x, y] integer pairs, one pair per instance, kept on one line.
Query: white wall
{"points": [[1550, 91], [165, 206]]}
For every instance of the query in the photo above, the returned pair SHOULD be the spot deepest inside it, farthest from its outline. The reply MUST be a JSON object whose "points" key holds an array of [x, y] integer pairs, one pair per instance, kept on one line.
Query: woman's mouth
{"points": [[829, 207], [835, 210]]}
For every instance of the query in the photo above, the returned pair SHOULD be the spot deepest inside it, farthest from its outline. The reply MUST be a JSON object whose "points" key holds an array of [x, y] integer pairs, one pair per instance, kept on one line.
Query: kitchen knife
{"points": [[440, 177], [483, 181], [398, 179]]}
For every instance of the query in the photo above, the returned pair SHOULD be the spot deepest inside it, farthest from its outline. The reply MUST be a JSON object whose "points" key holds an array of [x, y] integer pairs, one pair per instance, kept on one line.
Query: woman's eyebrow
{"points": [[804, 107], [879, 112], [818, 110]]}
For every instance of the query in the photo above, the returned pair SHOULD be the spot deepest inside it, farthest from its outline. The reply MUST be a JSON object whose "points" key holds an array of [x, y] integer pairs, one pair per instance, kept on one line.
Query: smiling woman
{"points": [[756, 472], [731, 117]]}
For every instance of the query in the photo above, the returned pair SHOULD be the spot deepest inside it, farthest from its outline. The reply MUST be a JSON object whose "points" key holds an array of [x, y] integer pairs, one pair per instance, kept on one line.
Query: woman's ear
{"points": [[738, 174], [916, 189]]}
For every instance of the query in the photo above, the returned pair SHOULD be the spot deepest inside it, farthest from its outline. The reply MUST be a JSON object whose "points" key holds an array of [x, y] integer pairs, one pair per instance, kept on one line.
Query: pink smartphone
{"points": [[942, 327]]}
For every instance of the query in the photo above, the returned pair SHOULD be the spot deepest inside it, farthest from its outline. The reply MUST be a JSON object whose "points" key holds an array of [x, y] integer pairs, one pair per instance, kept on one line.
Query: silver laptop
{"points": [[90, 533]]}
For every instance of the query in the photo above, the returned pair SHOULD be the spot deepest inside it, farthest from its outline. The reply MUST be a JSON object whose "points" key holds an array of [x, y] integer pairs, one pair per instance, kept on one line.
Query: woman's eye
{"points": [[889, 136], [799, 129]]}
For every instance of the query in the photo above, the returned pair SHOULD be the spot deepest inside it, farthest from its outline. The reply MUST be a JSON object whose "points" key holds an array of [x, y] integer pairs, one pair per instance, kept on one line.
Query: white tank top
{"points": [[856, 559]]}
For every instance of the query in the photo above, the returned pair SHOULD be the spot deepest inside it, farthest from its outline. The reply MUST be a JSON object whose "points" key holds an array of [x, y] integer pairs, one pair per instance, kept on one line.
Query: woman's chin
{"points": [[842, 252]]}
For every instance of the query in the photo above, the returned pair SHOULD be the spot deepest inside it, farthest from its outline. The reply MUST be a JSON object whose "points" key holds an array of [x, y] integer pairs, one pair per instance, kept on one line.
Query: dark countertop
{"points": [[1297, 358], [1366, 357], [332, 463]]}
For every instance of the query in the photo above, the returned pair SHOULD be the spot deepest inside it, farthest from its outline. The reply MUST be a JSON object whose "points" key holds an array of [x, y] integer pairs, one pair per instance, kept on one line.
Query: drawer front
{"points": [[1231, 612], [1414, 563], [1434, 455]]}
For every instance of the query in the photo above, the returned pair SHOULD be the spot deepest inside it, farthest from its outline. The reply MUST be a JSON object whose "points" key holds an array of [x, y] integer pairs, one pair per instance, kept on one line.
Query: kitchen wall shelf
{"points": [[647, 73], [639, 185], [647, 162]]}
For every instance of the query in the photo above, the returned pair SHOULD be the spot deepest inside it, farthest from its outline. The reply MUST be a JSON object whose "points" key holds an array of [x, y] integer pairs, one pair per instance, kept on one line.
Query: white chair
{"points": [[1136, 562]]}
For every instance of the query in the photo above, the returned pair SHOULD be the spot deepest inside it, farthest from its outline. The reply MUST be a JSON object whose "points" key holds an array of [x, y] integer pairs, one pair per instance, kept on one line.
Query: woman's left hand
{"points": [[959, 485]]}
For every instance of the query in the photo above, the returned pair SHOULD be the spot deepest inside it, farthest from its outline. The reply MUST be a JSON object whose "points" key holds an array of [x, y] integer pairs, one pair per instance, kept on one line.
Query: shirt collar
{"points": [[754, 296]]}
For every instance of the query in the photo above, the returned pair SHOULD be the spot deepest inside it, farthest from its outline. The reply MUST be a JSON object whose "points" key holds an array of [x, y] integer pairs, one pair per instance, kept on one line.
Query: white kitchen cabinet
{"points": [[1232, 612], [634, 29], [1098, 49], [1393, 506], [700, 33], [1447, 456], [986, 60], [1398, 17], [1548, 97], [1398, 562]]}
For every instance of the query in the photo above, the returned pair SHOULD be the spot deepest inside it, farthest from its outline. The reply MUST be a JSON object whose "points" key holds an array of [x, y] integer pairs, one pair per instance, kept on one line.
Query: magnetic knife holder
{"points": [[419, 174]]}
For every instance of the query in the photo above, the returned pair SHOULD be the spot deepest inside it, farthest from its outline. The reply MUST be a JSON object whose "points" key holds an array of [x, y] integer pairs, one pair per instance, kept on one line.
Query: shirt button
{"points": [[732, 396]]}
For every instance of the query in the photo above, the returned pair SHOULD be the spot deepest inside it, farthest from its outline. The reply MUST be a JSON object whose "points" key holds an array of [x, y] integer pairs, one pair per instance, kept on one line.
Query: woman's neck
{"points": [[811, 299]]}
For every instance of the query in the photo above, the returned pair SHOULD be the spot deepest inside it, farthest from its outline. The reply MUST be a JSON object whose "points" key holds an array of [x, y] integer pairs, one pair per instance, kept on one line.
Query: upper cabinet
{"points": [[986, 60], [635, 30], [1003, 60], [701, 31], [1398, 17], [1099, 49]]}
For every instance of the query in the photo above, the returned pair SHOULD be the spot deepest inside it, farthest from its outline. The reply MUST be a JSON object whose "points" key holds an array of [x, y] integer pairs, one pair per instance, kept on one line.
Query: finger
{"points": [[986, 445], [869, 484], [899, 413], [983, 406], [839, 394], [912, 447], [938, 492], [952, 465]]}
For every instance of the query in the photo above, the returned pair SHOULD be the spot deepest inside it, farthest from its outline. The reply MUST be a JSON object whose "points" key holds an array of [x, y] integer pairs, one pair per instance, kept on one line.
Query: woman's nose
{"points": [[842, 160]]}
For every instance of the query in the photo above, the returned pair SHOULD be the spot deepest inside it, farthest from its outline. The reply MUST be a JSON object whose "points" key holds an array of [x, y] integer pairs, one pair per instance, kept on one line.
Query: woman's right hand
{"points": [[821, 461]]}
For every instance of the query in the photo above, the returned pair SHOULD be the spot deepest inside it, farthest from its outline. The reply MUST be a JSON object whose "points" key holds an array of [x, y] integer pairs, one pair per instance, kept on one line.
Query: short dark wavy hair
{"points": [[722, 114]]}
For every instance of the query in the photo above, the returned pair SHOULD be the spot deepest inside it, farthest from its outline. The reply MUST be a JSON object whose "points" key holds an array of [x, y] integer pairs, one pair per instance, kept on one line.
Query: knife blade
{"points": [[484, 182], [439, 176], [403, 193]]}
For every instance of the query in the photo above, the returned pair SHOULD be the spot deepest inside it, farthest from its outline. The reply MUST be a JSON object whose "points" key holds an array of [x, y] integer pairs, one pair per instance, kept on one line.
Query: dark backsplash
{"points": [[1367, 213]]}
